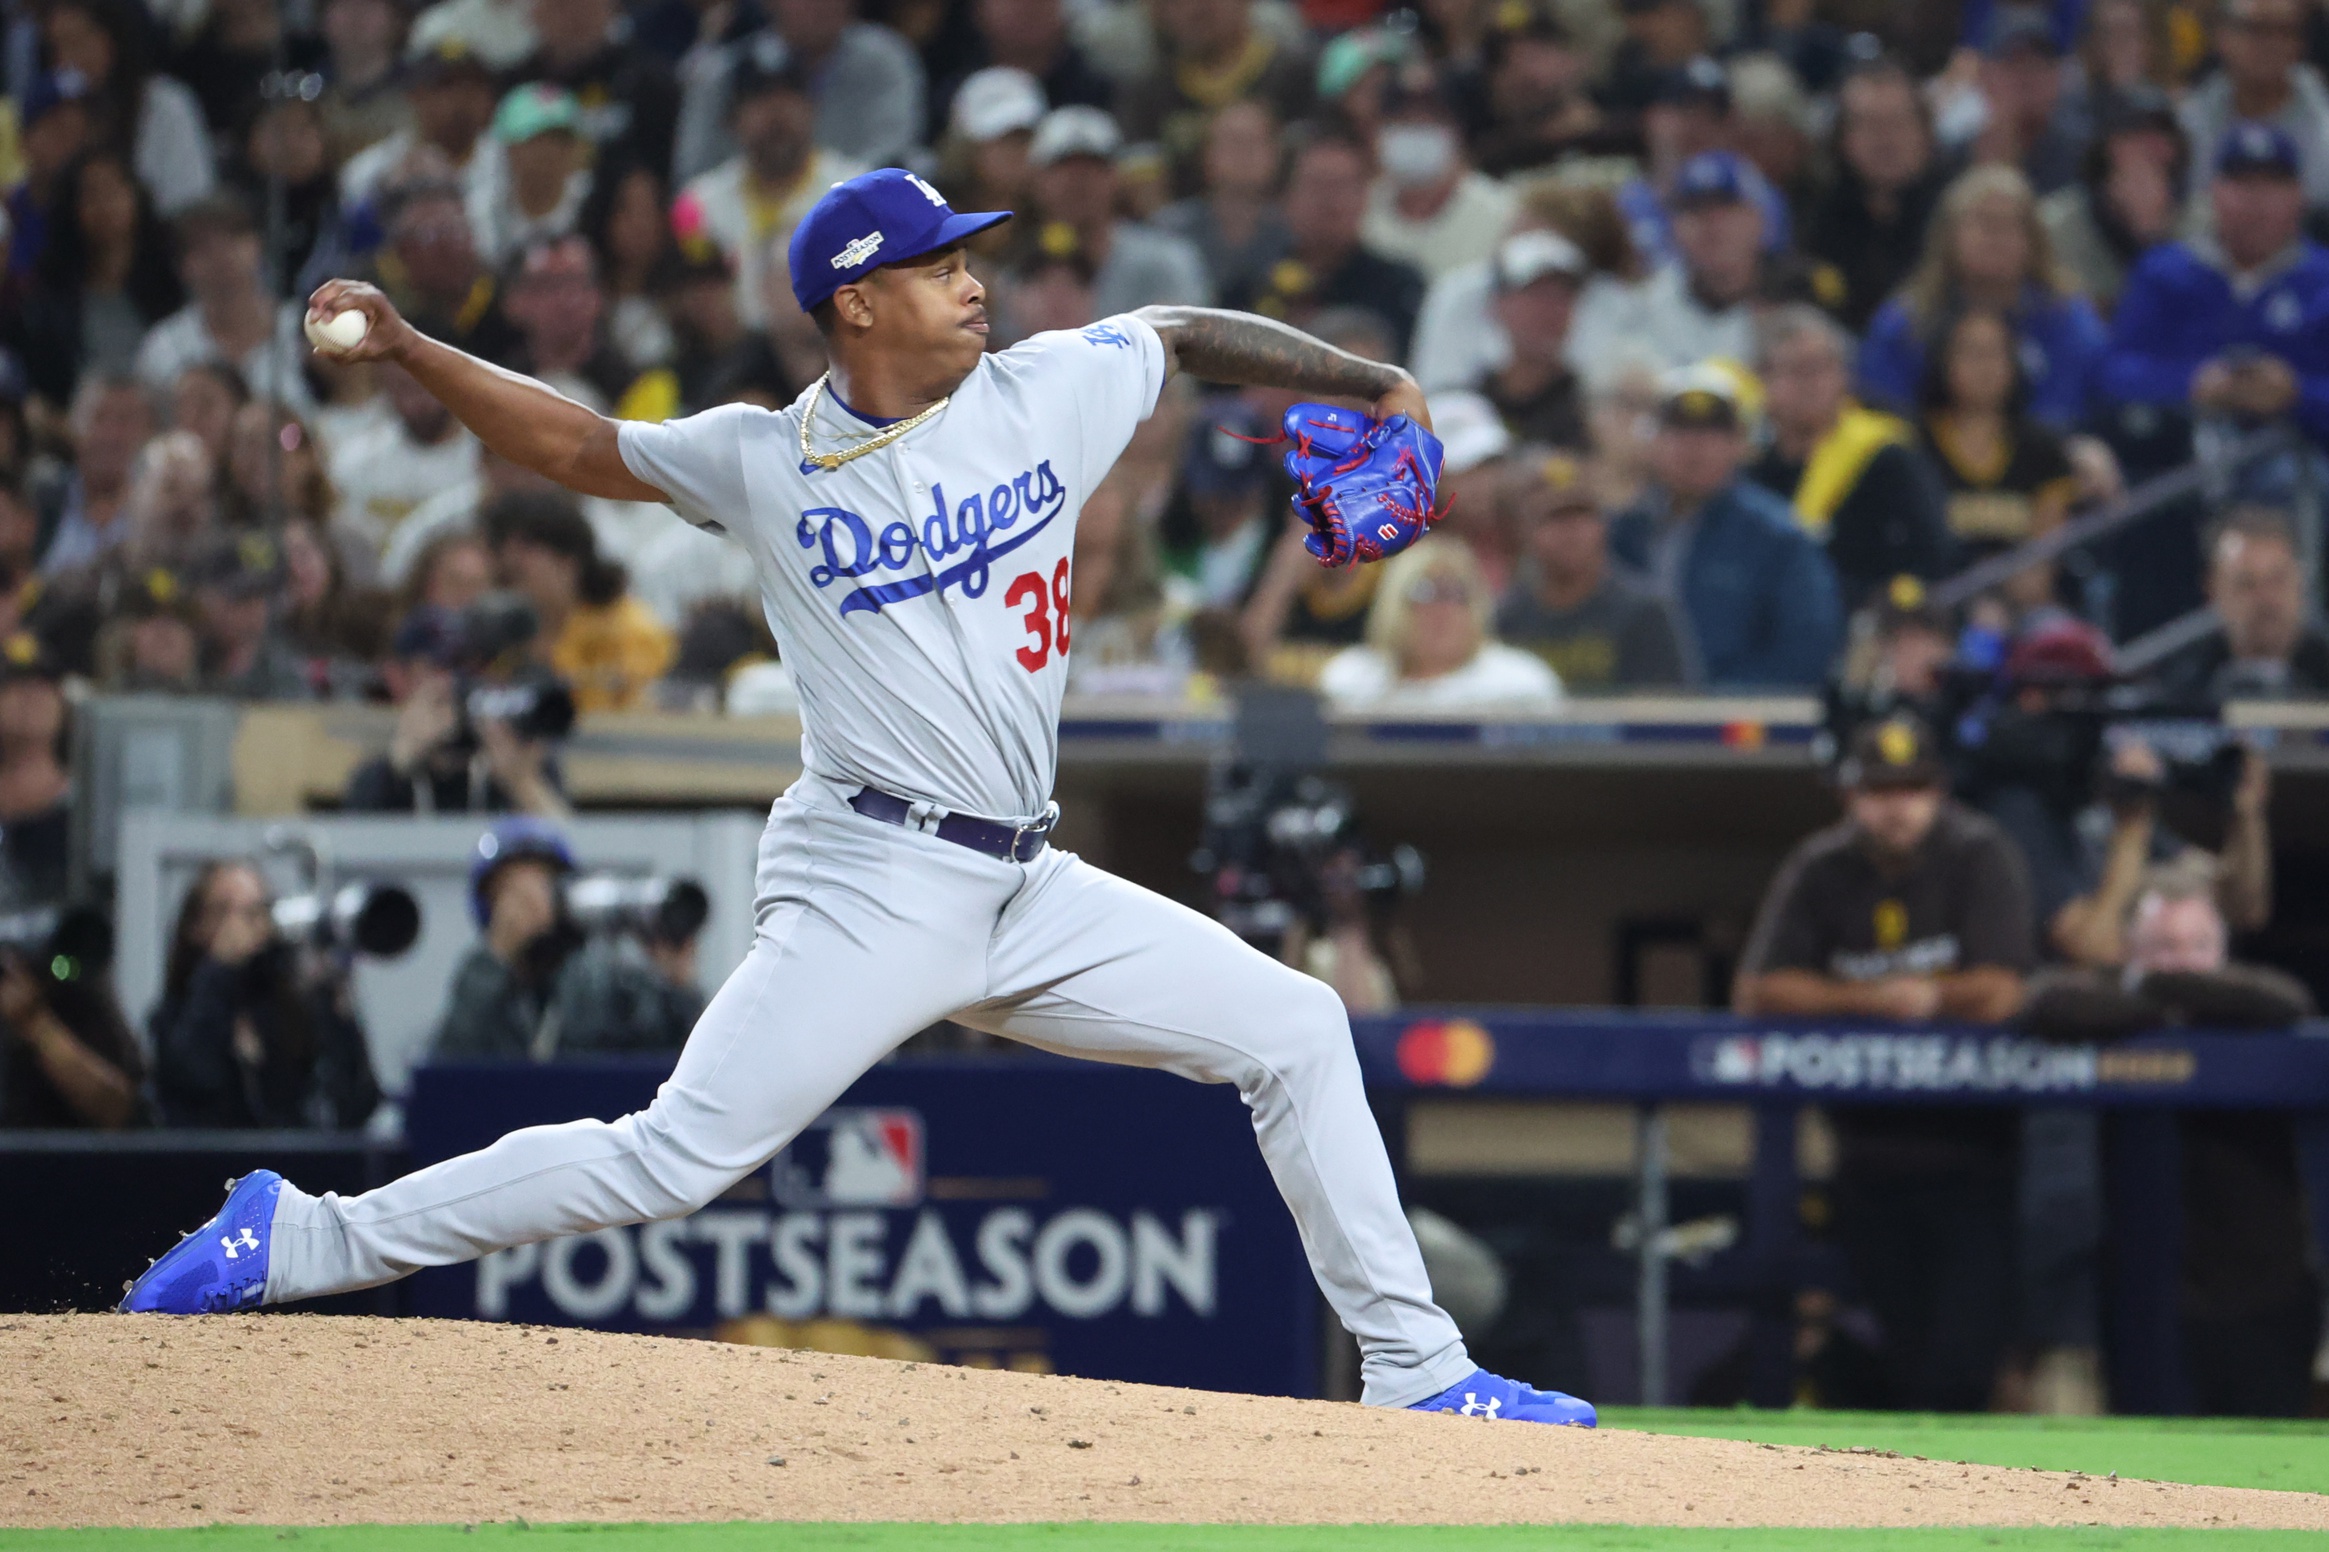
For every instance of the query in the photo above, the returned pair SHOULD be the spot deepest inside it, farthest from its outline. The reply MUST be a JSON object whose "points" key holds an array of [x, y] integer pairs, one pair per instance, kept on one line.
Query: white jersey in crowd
{"points": [[919, 594]]}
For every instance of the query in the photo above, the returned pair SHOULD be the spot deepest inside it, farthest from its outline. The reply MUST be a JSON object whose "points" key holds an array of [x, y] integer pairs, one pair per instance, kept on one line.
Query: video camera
{"points": [[1272, 843]]}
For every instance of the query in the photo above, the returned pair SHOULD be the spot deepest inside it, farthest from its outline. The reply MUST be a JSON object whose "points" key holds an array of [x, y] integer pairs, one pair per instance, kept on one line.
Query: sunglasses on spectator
{"points": [[1439, 590]]}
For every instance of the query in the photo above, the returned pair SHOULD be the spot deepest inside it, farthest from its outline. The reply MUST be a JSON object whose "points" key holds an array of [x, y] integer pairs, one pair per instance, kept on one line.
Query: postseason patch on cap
{"points": [[858, 252]]}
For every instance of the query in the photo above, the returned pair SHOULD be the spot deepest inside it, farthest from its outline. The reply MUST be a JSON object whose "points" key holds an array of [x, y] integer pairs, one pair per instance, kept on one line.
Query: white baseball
{"points": [[342, 331]]}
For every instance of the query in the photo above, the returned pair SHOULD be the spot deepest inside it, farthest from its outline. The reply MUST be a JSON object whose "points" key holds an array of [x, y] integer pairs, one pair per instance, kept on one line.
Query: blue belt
{"points": [[1012, 843]]}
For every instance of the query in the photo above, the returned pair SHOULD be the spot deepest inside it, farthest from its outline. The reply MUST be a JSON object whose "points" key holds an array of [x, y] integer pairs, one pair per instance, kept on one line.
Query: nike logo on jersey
{"points": [[852, 549]]}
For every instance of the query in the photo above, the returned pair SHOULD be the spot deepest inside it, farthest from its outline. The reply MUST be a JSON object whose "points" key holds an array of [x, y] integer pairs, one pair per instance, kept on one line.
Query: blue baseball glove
{"points": [[1367, 488]]}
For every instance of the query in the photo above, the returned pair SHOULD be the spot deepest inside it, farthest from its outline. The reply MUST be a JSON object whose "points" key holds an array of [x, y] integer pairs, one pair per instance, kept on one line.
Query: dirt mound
{"points": [[286, 1419]]}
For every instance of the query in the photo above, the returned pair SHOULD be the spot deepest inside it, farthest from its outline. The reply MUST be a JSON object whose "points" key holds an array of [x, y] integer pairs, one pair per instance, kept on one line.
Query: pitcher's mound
{"points": [[288, 1419]]}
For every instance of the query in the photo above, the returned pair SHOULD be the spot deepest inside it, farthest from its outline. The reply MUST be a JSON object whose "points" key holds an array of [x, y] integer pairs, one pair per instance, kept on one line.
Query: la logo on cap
{"points": [[858, 252]]}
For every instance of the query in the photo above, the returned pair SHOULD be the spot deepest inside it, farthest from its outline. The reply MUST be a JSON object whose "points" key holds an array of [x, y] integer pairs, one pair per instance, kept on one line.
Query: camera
{"points": [[1273, 845], [381, 920], [663, 910], [535, 705], [67, 944]]}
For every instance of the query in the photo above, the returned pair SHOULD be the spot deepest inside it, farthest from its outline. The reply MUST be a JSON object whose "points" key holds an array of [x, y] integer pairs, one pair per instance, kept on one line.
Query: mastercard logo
{"points": [[1455, 1054]]}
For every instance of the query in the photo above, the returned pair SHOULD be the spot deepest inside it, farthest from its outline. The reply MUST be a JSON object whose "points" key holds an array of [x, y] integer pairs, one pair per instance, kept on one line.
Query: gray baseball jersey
{"points": [[930, 650]]}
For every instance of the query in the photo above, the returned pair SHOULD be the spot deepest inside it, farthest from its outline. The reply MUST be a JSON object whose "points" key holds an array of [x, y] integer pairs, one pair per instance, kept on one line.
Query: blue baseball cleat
{"points": [[220, 1267], [1482, 1394]]}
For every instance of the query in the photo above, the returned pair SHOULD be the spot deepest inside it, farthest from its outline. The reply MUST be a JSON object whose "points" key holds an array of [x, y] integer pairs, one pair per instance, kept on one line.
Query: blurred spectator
{"points": [[2238, 325], [433, 272], [1429, 209], [555, 301], [1537, 104], [2126, 56], [761, 191], [104, 278], [1233, 221], [1218, 538], [1755, 594], [35, 786], [2249, 1301], [286, 139], [1075, 193], [1772, 126], [1662, 37], [274, 471], [2128, 199], [1124, 640], [706, 327], [499, 32], [361, 104], [250, 1031], [148, 643], [205, 400], [235, 578], [1915, 909], [1030, 36], [1431, 647], [450, 573], [1327, 264], [384, 474], [1870, 226], [1214, 55], [2031, 124], [982, 162], [2006, 477], [233, 51], [1901, 645], [112, 418], [450, 98], [533, 990], [548, 178], [231, 317], [1598, 627], [2263, 79], [628, 97], [1986, 248], [1688, 117], [1354, 76], [1539, 276], [1623, 421], [150, 118], [625, 222], [867, 85], [1702, 305], [440, 760], [2264, 644], [1046, 291], [53, 132], [603, 642], [338, 630], [1851, 473]]}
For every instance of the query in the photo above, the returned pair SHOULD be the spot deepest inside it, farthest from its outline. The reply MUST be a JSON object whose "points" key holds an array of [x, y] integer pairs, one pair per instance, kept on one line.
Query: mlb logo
{"points": [[852, 1158]]}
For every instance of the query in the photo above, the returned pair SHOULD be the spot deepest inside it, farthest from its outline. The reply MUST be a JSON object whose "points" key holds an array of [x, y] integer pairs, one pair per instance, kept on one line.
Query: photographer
{"points": [[439, 759], [67, 1057], [1913, 909], [536, 989], [250, 1031]]}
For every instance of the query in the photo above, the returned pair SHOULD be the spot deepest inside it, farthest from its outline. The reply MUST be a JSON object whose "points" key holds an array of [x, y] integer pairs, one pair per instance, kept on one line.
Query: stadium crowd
{"points": [[1745, 323]]}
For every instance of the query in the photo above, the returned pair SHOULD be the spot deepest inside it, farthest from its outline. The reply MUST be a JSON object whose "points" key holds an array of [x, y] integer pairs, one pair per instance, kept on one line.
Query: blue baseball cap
{"points": [[2251, 148], [873, 219], [1712, 178]]}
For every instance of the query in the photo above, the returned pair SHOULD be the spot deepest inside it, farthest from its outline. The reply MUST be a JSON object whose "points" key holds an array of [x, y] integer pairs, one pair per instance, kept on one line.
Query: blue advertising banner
{"points": [[1035, 1214]]}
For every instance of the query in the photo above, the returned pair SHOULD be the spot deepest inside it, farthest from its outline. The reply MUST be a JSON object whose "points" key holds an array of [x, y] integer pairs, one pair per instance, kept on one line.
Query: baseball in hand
{"points": [[340, 332]]}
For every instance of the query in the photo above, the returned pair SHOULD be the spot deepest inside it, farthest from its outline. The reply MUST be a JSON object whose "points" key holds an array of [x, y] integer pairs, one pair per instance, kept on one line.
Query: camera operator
{"points": [[70, 1060], [535, 989], [439, 759], [1914, 908], [2250, 1303], [35, 787], [251, 1031]]}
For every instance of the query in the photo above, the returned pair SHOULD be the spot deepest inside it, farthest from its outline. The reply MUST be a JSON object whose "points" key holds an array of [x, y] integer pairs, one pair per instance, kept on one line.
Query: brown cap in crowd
{"points": [[1894, 752]]}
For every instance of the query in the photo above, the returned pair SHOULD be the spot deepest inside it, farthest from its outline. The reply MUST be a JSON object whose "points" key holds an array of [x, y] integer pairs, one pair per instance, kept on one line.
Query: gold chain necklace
{"points": [[812, 459]]}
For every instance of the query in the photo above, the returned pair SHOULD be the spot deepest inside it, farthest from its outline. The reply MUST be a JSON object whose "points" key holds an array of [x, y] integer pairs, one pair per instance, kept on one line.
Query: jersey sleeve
{"points": [[1107, 375], [698, 463]]}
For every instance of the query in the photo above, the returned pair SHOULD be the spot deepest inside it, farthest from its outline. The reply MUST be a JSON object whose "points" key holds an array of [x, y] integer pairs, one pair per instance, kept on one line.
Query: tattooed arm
{"points": [[1226, 347]]}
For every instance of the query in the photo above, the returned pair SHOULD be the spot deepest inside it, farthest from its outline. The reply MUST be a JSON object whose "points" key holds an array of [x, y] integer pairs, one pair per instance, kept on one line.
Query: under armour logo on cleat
{"points": [[1474, 1407], [238, 1242]]}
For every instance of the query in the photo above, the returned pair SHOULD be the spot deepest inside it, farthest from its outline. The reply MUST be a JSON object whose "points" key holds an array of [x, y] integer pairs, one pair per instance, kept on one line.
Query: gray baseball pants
{"points": [[868, 932]]}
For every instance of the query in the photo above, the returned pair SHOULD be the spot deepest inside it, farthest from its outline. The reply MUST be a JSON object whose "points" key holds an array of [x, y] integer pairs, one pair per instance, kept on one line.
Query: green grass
{"points": [[2220, 1452], [1130, 1538]]}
